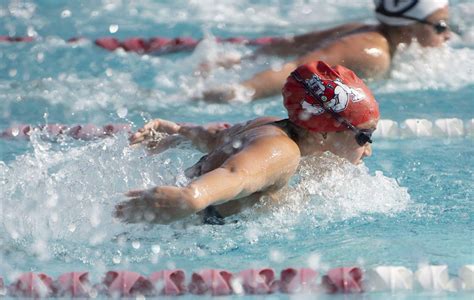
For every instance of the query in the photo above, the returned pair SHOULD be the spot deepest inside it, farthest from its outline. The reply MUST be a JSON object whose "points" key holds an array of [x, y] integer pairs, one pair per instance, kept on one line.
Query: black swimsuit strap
{"points": [[289, 127], [212, 216]]}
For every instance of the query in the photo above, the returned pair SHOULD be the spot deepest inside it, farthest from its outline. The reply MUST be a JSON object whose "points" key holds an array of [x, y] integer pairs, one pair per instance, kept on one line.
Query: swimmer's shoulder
{"points": [[369, 53]]}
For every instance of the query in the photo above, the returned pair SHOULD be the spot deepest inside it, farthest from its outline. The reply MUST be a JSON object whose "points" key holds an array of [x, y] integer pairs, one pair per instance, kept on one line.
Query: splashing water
{"points": [[63, 195]]}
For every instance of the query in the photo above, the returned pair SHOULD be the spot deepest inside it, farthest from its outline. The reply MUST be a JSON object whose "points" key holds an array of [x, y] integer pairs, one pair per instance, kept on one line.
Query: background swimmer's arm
{"points": [[269, 82], [266, 163], [366, 54]]}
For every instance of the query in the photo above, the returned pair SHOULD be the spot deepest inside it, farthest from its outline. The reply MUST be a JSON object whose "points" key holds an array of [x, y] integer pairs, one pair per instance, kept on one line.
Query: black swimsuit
{"points": [[211, 216]]}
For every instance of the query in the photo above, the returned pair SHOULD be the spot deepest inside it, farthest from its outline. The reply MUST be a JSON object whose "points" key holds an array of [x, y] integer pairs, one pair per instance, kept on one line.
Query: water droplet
{"points": [[40, 57], [15, 131], [314, 261], [136, 244], [54, 217], [65, 13], [116, 259], [156, 249], [71, 227], [122, 112], [113, 28], [154, 259], [30, 31], [12, 72], [237, 144], [140, 297]]}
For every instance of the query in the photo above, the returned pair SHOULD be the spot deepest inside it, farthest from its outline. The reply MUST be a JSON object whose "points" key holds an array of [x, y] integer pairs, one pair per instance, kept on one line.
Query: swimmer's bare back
{"points": [[233, 140], [302, 44]]}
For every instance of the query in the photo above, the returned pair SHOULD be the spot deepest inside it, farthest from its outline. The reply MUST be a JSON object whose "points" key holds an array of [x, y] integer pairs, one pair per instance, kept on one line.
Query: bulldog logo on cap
{"points": [[334, 94]]}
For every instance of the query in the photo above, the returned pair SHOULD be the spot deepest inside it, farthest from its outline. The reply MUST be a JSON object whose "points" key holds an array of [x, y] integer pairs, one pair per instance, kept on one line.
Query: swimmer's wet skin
{"points": [[329, 109], [365, 49]]}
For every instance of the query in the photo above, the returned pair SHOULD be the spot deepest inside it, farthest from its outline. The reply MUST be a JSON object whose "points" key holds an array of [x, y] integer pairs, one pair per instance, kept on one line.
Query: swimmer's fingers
{"points": [[136, 193], [135, 210]]}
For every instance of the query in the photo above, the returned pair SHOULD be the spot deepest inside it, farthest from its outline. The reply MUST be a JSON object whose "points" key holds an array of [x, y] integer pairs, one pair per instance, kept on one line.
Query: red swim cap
{"points": [[338, 88]]}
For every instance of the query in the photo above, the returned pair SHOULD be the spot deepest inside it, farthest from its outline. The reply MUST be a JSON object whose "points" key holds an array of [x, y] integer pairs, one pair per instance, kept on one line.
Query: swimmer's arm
{"points": [[203, 137], [264, 164], [367, 54], [269, 82]]}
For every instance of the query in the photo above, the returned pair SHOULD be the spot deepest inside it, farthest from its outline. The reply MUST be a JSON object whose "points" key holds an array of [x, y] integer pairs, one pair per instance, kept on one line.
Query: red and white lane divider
{"points": [[154, 45], [252, 282], [386, 129]]}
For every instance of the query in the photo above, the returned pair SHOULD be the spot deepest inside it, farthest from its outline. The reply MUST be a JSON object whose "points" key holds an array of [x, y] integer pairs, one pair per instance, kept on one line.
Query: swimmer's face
{"points": [[344, 144], [427, 35]]}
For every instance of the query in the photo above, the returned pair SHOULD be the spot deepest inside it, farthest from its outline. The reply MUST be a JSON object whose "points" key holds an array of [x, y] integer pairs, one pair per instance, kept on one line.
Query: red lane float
{"points": [[213, 282], [258, 281], [298, 281], [51, 131], [169, 282], [125, 284], [345, 280], [155, 45], [73, 284], [32, 285]]}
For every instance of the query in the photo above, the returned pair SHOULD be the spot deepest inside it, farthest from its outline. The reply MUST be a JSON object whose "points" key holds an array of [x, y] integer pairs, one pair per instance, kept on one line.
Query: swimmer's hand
{"points": [[152, 130], [219, 95], [160, 205], [227, 93]]}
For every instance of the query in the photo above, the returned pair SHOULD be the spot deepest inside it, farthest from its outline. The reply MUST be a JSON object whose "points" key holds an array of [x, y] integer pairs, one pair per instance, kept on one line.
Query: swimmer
{"points": [[329, 109], [365, 49]]}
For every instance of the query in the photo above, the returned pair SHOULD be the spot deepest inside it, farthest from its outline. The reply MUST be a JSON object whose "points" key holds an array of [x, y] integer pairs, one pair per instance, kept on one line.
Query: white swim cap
{"points": [[392, 12]]}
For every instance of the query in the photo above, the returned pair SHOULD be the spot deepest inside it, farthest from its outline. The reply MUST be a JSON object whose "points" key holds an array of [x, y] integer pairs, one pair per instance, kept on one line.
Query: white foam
{"points": [[416, 68]]}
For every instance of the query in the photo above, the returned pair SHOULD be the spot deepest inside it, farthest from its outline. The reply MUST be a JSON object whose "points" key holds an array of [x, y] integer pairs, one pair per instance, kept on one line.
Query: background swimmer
{"points": [[246, 161], [365, 49]]}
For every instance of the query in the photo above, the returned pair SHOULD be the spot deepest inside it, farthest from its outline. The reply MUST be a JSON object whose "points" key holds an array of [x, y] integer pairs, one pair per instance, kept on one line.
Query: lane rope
{"points": [[386, 129], [218, 282], [154, 45]]}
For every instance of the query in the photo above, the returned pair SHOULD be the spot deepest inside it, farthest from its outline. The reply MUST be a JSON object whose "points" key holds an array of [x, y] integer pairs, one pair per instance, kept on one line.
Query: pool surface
{"points": [[410, 204]]}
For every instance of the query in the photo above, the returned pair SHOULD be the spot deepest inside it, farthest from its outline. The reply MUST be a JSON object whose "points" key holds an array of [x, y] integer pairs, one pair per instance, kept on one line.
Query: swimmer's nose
{"points": [[447, 35], [367, 150]]}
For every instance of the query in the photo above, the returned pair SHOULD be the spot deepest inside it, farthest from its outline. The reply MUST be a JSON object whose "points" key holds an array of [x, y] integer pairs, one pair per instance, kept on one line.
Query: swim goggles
{"points": [[440, 26], [362, 136]]}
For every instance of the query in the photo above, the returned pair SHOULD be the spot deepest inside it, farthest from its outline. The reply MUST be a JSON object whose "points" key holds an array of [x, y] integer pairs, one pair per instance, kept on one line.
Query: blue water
{"points": [[410, 204]]}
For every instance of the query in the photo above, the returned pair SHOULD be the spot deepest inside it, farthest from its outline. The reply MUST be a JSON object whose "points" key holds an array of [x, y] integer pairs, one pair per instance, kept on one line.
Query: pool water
{"points": [[411, 203]]}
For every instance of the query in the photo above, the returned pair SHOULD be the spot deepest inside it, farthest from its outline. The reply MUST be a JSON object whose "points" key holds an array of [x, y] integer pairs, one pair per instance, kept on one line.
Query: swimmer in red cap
{"points": [[365, 49], [329, 109]]}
